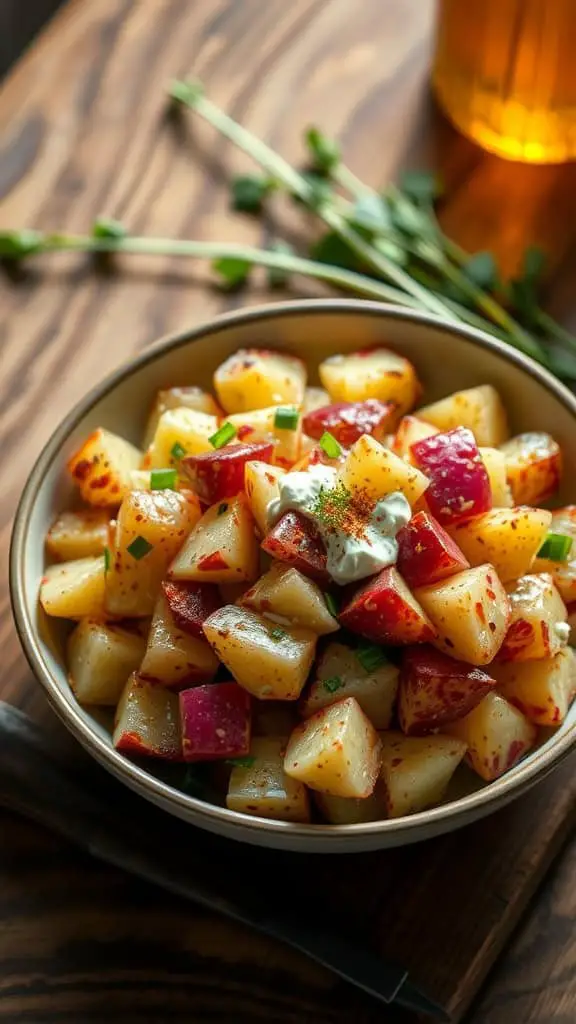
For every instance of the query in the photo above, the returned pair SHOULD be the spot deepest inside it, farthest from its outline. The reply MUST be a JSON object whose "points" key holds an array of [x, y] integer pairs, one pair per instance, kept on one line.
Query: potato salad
{"points": [[321, 601]]}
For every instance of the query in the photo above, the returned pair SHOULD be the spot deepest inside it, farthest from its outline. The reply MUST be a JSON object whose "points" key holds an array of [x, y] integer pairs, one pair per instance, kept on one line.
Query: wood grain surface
{"points": [[85, 132]]}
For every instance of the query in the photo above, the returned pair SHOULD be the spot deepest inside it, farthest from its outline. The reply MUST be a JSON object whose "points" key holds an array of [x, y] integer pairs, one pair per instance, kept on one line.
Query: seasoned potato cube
{"points": [[495, 463], [261, 787], [340, 674], [497, 736], [272, 662], [255, 378], [286, 593], [172, 656], [383, 609], [179, 432], [216, 722], [314, 398], [542, 690], [74, 590], [148, 721], [371, 373], [102, 467], [533, 467], [261, 483], [100, 659], [508, 538], [538, 626], [435, 689], [408, 432], [370, 472], [151, 528], [260, 425], [416, 770], [341, 810], [222, 547], [78, 534], [178, 398], [471, 612], [563, 573], [480, 409], [335, 751]]}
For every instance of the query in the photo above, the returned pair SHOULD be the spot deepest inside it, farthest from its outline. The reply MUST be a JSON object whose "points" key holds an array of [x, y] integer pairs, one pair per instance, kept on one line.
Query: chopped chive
{"points": [[139, 547], [331, 604], [556, 547], [332, 684], [241, 762], [177, 451], [106, 559], [286, 418], [330, 445], [160, 479], [222, 508], [226, 432], [278, 634], [371, 657]]}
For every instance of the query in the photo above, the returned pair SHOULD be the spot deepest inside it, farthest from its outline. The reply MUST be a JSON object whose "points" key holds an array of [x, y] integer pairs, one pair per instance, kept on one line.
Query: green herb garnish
{"points": [[233, 271], [226, 432], [330, 446], [139, 547], [248, 192], [332, 684], [161, 479], [371, 657], [324, 151], [241, 762], [286, 418], [105, 227], [177, 451], [331, 604], [333, 506], [556, 547], [222, 508], [278, 634], [106, 559]]}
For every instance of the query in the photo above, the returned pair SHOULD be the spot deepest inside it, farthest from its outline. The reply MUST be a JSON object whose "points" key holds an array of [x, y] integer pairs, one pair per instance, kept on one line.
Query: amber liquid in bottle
{"points": [[505, 73]]}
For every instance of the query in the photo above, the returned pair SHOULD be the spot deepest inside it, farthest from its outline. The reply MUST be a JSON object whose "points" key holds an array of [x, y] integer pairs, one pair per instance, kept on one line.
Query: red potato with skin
{"points": [[296, 541], [147, 721], [533, 467], [497, 736], [436, 689], [347, 421], [215, 722], [191, 603], [538, 626], [218, 475], [459, 483], [385, 611], [426, 553]]}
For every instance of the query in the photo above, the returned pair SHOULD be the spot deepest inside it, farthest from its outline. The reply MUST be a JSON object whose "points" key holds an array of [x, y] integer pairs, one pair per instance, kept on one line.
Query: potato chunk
{"points": [[340, 674], [508, 538], [148, 721], [371, 373], [261, 484], [270, 661], [285, 592], [74, 590], [335, 751], [542, 690], [222, 547], [416, 770], [495, 463], [101, 467], [100, 659], [260, 425], [497, 736], [78, 534], [262, 787], [341, 810], [533, 467], [480, 409], [471, 612], [563, 573], [408, 432], [172, 656], [178, 398], [538, 626], [370, 472], [179, 432], [255, 378], [435, 689]]}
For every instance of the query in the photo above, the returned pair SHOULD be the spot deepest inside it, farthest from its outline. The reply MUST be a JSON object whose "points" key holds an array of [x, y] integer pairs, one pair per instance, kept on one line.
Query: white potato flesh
{"points": [[262, 487], [314, 398], [533, 467], [147, 721], [272, 662], [100, 660], [371, 472], [178, 429], [341, 810], [538, 626], [408, 432], [260, 425], [542, 690], [80, 534], [222, 547], [470, 611], [102, 466], [174, 658], [74, 590], [371, 373], [495, 463], [497, 736], [285, 593], [563, 573], [416, 770], [508, 538], [340, 674], [263, 788], [480, 409], [256, 378], [178, 398]]}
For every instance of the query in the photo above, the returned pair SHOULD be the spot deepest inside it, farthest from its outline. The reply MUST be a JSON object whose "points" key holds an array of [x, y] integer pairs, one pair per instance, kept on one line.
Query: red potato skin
{"points": [[220, 474], [296, 541], [426, 553], [379, 611], [191, 603], [459, 484], [347, 421], [436, 689], [215, 722]]}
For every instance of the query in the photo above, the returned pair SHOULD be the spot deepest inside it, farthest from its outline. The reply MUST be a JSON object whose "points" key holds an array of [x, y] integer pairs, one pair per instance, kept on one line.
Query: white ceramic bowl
{"points": [[447, 357]]}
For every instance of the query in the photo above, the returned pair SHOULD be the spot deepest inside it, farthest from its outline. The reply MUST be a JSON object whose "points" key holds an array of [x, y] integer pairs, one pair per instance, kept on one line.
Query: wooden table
{"points": [[84, 133]]}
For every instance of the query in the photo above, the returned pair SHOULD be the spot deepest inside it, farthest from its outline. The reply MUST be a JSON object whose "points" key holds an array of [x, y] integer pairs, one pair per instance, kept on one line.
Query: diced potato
{"points": [[285, 592], [538, 626], [416, 770], [148, 721], [563, 573], [222, 547], [533, 467], [173, 657], [341, 810], [314, 398], [150, 530], [263, 788], [383, 609], [495, 463], [216, 722], [179, 429], [497, 736], [178, 398], [340, 674], [78, 534], [100, 659], [480, 409], [435, 689], [471, 612], [371, 373], [370, 472], [508, 538], [102, 466], [261, 483], [270, 661], [255, 378], [542, 690], [74, 590], [408, 432], [260, 425], [335, 751]]}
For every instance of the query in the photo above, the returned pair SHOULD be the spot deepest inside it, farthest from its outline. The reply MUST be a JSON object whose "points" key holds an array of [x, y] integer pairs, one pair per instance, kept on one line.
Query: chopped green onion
{"points": [[160, 479], [222, 508], [556, 547], [331, 604], [241, 762], [278, 634], [139, 547], [177, 451], [286, 419], [226, 432], [371, 657], [330, 445], [106, 559], [332, 684]]}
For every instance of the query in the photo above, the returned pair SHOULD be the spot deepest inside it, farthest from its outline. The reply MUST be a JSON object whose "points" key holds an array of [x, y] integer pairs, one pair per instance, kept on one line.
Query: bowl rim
{"points": [[138, 777]]}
